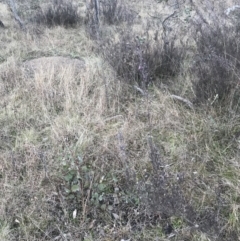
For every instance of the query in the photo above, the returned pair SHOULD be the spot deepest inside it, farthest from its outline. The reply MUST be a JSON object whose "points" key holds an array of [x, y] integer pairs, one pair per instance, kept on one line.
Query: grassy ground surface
{"points": [[141, 142]]}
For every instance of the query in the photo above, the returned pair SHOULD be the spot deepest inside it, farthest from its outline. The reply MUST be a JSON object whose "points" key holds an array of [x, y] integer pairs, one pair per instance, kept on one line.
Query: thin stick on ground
{"points": [[185, 101]]}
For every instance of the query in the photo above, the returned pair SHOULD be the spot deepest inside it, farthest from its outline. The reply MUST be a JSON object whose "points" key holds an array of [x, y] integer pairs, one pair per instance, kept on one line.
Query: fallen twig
{"points": [[187, 102], [140, 90]]}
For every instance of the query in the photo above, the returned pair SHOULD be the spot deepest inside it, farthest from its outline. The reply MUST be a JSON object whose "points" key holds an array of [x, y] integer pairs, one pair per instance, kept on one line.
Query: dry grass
{"points": [[60, 12], [84, 156]]}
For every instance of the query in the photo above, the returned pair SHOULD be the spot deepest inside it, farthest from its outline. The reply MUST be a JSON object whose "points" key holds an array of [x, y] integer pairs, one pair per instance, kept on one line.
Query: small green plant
{"points": [[78, 183], [177, 223], [88, 191]]}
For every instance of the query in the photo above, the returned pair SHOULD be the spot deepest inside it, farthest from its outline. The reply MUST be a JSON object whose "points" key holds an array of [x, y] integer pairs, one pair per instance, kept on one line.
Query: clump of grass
{"points": [[59, 13], [170, 196], [4, 231]]}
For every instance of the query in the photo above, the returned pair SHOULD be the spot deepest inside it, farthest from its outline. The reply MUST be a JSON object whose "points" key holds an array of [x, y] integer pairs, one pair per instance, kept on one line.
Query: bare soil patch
{"points": [[57, 63]]}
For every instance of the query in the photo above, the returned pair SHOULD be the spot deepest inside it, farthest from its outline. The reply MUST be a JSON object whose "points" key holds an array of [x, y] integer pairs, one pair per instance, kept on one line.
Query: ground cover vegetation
{"points": [[140, 141]]}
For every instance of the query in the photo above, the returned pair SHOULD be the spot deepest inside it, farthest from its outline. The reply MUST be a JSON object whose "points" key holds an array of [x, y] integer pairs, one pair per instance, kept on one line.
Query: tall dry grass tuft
{"points": [[50, 115], [58, 13]]}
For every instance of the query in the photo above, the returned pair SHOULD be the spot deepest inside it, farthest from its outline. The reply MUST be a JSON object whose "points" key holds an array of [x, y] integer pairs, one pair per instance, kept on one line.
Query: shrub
{"points": [[138, 59], [115, 12], [217, 62], [60, 12], [110, 12]]}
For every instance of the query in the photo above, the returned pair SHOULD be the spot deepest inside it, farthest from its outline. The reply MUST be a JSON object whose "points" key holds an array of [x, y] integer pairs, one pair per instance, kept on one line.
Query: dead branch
{"points": [[12, 6]]}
